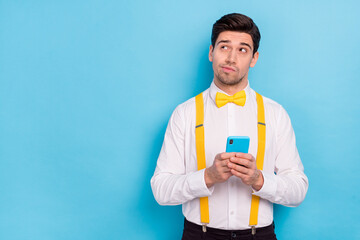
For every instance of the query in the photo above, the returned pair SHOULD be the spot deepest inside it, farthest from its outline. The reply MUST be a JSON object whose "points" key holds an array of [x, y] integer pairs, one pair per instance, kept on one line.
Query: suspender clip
{"points": [[253, 230], [204, 227]]}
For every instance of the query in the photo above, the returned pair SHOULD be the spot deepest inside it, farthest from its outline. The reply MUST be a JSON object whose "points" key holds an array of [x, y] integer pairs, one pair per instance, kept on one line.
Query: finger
{"points": [[244, 155], [238, 174], [239, 168], [224, 163], [226, 170], [241, 161], [221, 165], [225, 155]]}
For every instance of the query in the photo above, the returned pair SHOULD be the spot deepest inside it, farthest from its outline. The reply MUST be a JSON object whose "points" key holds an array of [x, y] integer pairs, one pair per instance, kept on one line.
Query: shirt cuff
{"points": [[197, 185], [268, 189]]}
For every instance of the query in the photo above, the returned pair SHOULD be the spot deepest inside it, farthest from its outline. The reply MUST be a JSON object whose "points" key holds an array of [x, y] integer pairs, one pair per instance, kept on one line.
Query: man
{"points": [[219, 199]]}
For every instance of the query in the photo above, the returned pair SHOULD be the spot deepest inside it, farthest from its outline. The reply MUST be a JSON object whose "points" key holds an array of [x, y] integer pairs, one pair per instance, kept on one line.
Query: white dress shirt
{"points": [[177, 181]]}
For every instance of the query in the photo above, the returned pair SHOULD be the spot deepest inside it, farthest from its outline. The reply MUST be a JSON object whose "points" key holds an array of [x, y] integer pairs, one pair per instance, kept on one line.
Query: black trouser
{"points": [[193, 231]]}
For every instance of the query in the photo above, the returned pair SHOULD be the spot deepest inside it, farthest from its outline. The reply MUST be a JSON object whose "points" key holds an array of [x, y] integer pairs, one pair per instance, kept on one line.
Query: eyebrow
{"points": [[228, 41]]}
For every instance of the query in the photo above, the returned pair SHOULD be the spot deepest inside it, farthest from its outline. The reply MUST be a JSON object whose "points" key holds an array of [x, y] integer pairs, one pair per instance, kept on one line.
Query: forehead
{"points": [[235, 37]]}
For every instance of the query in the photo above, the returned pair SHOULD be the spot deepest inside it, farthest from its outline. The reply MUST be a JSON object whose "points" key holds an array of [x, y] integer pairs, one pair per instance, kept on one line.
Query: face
{"points": [[232, 56]]}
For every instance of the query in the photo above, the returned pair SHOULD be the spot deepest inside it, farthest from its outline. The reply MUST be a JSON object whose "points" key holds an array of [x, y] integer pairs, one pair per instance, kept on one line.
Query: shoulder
{"points": [[271, 105], [274, 109]]}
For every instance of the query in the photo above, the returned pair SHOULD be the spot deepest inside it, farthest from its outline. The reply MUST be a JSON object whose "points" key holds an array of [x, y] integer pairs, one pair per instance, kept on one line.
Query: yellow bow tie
{"points": [[238, 98]]}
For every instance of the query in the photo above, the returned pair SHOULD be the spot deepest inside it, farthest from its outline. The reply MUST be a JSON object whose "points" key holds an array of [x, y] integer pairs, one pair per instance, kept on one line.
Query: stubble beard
{"points": [[227, 80]]}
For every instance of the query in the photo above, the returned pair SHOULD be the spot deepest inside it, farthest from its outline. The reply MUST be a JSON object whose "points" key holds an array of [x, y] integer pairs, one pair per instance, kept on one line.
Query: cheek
{"points": [[215, 63], [246, 63]]}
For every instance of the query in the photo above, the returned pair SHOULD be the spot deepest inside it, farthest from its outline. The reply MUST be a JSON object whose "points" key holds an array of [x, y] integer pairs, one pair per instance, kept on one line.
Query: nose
{"points": [[231, 57]]}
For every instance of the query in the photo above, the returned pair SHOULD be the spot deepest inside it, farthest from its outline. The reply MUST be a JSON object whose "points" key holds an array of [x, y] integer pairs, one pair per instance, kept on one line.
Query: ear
{"points": [[211, 53], [254, 59]]}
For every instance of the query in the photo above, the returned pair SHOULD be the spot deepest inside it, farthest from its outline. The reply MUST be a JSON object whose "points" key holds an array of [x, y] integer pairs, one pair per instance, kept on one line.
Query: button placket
{"points": [[231, 118]]}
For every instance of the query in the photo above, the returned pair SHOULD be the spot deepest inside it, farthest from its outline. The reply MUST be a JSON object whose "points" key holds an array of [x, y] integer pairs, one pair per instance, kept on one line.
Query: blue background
{"points": [[87, 88]]}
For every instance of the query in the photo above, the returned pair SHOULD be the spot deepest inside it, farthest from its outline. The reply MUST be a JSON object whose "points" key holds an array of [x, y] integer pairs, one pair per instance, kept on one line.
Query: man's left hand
{"points": [[243, 165]]}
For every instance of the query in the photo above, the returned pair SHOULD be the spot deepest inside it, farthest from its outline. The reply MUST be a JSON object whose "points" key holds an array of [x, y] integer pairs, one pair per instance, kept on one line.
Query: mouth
{"points": [[228, 69]]}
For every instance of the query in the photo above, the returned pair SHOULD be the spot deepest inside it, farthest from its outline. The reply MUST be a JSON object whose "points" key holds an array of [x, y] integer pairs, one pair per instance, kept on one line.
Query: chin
{"points": [[230, 82]]}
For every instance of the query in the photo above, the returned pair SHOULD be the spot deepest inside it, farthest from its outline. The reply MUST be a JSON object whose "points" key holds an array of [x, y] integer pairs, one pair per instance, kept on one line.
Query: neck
{"points": [[232, 89]]}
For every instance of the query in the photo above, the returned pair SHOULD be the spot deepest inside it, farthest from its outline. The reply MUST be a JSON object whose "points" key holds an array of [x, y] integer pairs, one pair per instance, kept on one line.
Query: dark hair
{"points": [[239, 23]]}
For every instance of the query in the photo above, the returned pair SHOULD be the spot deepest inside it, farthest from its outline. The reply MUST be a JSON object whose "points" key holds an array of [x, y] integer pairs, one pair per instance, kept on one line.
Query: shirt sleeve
{"points": [[288, 184], [171, 185]]}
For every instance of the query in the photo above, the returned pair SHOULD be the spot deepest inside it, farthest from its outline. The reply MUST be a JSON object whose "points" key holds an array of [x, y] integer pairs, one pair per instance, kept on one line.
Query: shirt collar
{"points": [[214, 89]]}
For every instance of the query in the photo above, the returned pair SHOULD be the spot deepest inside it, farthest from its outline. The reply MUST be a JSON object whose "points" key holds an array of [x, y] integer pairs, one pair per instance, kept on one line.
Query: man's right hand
{"points": [[219, 171]]}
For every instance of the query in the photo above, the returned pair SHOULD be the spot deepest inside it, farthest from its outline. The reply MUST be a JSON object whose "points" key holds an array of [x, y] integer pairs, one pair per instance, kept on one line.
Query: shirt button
{"points": [[232, 213]]}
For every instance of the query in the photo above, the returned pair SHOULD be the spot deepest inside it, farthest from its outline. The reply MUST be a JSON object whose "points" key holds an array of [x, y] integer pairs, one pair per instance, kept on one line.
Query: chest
{"points": [[232, 120]]}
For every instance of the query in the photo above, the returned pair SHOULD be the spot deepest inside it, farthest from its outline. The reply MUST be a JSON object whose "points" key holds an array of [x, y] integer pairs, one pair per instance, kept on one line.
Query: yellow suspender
{"points": [[200, 153], [254, 210]]}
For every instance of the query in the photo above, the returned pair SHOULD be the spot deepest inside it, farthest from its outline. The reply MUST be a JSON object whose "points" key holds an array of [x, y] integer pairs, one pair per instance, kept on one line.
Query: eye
{"points": [[243, 50], [224, 47]]}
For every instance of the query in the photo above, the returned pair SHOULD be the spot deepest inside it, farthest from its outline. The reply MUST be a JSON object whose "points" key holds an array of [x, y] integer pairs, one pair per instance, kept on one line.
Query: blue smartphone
{"points": [[238, 144]]}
